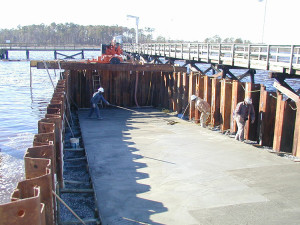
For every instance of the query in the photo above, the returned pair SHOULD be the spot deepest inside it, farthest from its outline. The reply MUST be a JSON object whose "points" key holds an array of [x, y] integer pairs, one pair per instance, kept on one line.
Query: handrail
{"points": [[279, 58]]}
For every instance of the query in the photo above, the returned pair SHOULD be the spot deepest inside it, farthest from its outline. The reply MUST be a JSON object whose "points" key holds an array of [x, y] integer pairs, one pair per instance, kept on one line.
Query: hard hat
{"points": [[193, 97], [248, 100], [101, 89]]}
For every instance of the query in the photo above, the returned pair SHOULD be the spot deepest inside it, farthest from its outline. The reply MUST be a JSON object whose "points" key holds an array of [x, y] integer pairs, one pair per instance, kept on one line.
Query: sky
{"points": [[188, 20]]}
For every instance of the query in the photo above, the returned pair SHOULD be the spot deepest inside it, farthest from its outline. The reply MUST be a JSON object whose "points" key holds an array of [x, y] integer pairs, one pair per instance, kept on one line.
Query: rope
{"points": [[293, 107], [60, 76], [49, 74], [288, 104], [131, 110], [65, 204], [249, 91], [69, 125]]}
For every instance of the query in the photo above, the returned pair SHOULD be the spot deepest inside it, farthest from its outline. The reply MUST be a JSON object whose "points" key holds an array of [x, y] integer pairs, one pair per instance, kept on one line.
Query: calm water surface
{"points": [[21, 107]]}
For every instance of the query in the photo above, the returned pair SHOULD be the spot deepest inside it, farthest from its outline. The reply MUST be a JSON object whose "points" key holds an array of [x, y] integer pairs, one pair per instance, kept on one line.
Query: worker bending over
{"points": [[241, 114], [204, 109], [97, 96]]}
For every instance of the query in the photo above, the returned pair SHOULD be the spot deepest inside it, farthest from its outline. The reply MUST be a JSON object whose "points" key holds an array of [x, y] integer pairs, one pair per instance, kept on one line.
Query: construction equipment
{"points": [[111, 53]]}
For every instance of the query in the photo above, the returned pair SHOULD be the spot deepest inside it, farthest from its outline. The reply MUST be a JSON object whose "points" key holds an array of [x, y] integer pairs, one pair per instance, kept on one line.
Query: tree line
{"points": [[74, 34], [70, 33]]}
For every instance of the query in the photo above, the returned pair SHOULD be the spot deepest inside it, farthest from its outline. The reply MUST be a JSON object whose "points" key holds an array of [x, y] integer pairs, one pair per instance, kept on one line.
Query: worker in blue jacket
{"points": [[97, 96]]}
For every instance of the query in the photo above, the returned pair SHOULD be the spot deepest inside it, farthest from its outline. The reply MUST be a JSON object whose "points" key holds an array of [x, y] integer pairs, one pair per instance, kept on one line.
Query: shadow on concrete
{"points": [[114, 163]]}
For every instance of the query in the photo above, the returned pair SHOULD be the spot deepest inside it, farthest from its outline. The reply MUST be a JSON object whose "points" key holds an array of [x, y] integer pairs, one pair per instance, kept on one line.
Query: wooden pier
{"points": [[277, 58]]}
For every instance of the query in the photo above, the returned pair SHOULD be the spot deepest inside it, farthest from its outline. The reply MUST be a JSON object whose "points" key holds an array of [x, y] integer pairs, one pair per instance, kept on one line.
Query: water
{"points": [[21, 107]]}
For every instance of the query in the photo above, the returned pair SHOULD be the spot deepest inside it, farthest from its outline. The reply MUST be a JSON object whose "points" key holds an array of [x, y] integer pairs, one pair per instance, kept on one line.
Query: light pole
{"points": [[137, 27], [263, 30]]}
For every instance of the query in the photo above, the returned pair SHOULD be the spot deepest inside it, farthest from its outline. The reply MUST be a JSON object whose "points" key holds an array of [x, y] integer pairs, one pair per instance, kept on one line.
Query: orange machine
{"points": [[110, 54]]}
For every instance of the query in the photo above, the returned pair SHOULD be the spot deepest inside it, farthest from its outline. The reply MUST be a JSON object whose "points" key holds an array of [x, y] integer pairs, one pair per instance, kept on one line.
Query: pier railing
{"points": [[279, 58]]}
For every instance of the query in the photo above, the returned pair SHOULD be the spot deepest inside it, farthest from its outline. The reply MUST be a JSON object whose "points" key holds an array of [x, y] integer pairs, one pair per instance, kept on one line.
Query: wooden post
{"points": [[296, 141], [174, 92], [199, 93], [284, 125], [118, 88], [125, 93], [166, 93], [215, 102], [278, 123], [266, 118], [185, 85], [252, 91], [161, 90], [179, 92], [238, 95], [170, 91], [192, 86], [225, 104], [207, 90]]}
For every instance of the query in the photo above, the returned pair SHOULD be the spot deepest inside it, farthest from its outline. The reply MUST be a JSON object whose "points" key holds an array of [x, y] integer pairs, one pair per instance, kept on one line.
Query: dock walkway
{"points": [[147, 171]]}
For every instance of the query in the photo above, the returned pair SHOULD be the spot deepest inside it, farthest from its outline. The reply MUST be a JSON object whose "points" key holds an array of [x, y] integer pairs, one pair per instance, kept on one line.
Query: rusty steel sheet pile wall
{"points": [[275, 120], [32, 202]]}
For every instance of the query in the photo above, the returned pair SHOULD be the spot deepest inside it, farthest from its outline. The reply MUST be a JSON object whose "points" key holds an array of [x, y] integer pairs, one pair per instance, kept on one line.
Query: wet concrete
{"points": [[146, 171]]}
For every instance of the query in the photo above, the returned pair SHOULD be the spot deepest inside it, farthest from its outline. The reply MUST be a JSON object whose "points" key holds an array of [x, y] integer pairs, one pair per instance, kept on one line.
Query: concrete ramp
{"points": [[147, 171]]}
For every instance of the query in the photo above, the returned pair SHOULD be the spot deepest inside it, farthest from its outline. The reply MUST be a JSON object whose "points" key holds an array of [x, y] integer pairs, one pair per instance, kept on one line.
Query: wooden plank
{"points": [[179, 92], [278, 122], [225, 104], [296, 141], [174, 96], [192, 87], [215, 102], [197, 93], [185, 85], [287, 92], [170, 92], [238, 95], [118, 88], [166, 86], [288, 128], [252, 91], [112, 67], [207, 90], [266, 118]]}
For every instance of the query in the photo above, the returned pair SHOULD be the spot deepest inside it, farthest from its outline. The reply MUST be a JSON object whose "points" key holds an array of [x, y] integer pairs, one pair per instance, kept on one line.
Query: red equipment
{"points": [[110, 54]]}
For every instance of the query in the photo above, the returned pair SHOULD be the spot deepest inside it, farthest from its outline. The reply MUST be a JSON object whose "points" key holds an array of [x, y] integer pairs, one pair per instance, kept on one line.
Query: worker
{"points": [[242, 112], [97, 96], [204, 109]]}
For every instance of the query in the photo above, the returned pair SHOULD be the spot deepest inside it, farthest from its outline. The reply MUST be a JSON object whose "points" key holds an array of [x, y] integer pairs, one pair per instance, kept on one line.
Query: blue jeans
{"points": [[96, 108]]}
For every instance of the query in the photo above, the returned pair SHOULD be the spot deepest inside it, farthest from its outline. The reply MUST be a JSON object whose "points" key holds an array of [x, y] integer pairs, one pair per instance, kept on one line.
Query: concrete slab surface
{"points": [[146, 171]]}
